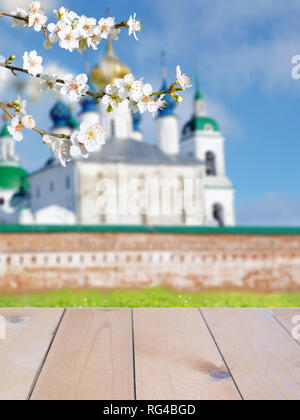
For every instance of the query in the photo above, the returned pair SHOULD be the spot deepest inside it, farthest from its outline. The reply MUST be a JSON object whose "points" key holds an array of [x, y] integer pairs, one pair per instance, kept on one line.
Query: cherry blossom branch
{"points": [[43, 133], [133, 25], [24, 19], [15, 68], [96, 96]]}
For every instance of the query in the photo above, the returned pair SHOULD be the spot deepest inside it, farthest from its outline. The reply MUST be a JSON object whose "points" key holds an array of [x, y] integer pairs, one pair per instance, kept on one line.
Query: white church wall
{"points": [[90, 117], [200, 143], [139, 194], [54, 215], [117, 124], [168, 134], [53, 186], [223, 196], [5, 197]]}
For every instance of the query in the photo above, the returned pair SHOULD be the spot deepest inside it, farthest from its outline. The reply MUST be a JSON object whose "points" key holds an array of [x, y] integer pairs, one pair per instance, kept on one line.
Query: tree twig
{"points": [[96, 96], [37, 130]]}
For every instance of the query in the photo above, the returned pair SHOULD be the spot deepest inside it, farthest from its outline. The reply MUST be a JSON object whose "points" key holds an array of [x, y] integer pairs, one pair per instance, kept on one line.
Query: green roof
{"points": [[191, 230], [4, 132], [199, 124], [13, 177], [198, 95], [73, 123]]}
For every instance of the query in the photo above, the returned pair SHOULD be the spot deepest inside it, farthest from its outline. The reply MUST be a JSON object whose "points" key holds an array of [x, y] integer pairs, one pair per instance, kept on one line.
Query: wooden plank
{"points": [[262, 357], [91, 358], [285, 317], [29, 333], [176, 358]]}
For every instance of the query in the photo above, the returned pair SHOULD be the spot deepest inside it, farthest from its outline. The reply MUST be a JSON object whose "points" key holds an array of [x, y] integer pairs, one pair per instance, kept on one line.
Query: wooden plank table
{"points": [[163, 354]]}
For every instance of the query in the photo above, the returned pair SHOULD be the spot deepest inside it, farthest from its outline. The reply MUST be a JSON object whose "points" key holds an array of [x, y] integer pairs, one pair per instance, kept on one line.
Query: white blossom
{"points": [[28, 122], [156, 105], [65, 15], [36, 16], [35, 7], [77, 149], [183, 79], [136, 92], [53, 29], [32, 63], [107, 26], [92, 136], [18, 22], [94, 39], [22, 105], [48, 81], [86, 26], [134, 26], [145, 99], [111, 98], [75, 87], [125, 86], [60, 13], [68, 38], [60, 147], [37, 20], [15, 128]]}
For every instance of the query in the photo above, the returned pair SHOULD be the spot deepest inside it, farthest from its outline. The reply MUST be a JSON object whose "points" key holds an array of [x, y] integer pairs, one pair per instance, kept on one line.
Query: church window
{"points": [[68, 182], [51, 186], [218, 213], [113, 128], [210, 160], [38, 192]]}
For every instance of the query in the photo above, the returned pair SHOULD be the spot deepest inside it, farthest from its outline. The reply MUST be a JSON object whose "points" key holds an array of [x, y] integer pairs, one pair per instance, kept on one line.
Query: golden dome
{"points": [[108, 69]]}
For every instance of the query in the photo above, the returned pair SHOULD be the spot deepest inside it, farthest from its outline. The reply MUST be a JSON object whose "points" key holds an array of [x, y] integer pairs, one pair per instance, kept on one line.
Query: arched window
{"points": [[113, 128], [218, 213], [51, 186], [68, 182], [210, 160]]}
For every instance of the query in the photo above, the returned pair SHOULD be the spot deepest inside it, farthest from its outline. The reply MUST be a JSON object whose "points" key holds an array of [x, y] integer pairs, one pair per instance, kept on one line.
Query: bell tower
{"points": [[7, 147], [202, 138], [167, 121]]}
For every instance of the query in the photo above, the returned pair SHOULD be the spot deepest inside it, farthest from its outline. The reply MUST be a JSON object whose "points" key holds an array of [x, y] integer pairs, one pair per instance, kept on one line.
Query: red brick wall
{"points": [[40, 261]]}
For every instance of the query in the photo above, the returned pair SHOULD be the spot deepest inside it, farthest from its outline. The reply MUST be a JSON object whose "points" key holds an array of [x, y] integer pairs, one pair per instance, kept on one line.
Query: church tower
{"points": [[203, 139], [167, 121], [13, 178], [118, 124]]}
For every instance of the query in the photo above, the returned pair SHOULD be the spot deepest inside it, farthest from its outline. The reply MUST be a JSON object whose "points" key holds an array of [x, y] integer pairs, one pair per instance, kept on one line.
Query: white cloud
{"points": [[274, 208], [10, 5], [230, 126], [238, 43]]}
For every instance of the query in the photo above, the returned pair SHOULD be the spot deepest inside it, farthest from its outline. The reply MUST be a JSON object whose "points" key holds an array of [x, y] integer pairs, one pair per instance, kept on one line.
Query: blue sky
{"points": [[244, 50]]}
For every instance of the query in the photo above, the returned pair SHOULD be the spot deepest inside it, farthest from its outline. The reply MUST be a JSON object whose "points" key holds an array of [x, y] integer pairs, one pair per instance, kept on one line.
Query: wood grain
{"points": [[91, 358], [29, 333], [285, 317], [176, 358], [262, 356]]}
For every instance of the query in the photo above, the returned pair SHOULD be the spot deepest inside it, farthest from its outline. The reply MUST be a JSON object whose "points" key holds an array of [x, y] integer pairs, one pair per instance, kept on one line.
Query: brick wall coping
{"points": [[237, 230]]}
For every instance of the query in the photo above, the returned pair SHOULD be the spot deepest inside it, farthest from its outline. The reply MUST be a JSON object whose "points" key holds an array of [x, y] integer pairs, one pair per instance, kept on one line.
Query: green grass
{"points": [[151, 297]]}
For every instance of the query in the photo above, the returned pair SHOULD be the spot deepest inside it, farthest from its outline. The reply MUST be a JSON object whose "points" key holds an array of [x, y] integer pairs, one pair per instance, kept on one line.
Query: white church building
{"points": [[129, 181]]}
